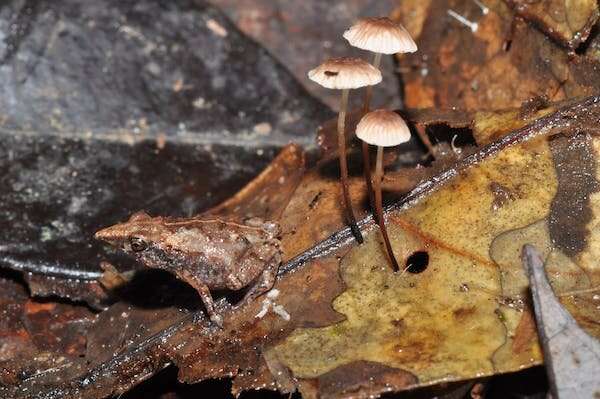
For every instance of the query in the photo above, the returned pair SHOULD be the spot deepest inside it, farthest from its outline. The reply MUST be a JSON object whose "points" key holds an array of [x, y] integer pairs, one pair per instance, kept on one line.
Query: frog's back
{"points": [[212, 249]]}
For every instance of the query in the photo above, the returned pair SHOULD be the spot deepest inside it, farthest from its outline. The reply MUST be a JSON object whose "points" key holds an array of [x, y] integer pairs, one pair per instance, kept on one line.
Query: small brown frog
{"points": [[207, 253]]}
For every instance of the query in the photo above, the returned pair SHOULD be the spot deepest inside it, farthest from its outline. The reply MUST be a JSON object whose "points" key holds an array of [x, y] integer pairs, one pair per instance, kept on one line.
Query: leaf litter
{"points": [[356, 329], [464, 315]]}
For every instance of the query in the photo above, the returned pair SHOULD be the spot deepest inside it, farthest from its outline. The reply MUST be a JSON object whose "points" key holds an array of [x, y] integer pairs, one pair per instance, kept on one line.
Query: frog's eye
{"points": [[137, 244]]}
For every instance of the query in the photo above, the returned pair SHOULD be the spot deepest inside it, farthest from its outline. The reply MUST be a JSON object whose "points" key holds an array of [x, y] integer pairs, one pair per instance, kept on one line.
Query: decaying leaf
{"points": [[567, 21], [14, 337], [511, 56], [267, 195], [461, 316], [37, 336]]}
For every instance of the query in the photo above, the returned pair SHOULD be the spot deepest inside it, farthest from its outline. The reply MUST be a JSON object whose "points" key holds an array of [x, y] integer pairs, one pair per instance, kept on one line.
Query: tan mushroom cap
{"points": [[380, 35], [383, 128], [345, 73]]}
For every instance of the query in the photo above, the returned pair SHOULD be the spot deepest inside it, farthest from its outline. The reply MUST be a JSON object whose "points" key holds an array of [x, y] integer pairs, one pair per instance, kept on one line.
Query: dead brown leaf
{"points": [[567, 21], [506, 61], [267, 195]]}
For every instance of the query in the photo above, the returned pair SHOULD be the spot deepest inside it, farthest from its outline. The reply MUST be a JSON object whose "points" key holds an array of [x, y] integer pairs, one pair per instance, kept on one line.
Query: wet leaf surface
{"points": [[59, 191], [43, 335], [58, 327]]}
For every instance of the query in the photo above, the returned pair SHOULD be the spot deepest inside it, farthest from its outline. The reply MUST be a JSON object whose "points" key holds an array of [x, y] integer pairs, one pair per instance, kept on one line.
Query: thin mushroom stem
{"points": [[365, 146], [341, 125], [367, 172], [369, 90], [379, 208]]}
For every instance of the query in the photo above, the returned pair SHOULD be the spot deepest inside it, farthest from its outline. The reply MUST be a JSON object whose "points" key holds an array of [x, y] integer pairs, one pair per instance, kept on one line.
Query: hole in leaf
{"points": [[460, 137], [417, 262], [584, 46]]}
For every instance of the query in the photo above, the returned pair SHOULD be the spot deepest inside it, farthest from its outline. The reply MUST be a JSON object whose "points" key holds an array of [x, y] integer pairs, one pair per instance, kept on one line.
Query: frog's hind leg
{"points": [[264, 281], [205, 295]]}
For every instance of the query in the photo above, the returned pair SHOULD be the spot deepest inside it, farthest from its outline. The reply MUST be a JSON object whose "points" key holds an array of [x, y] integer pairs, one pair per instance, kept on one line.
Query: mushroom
{"points": [[345, 74], [380, 36], [382, 128]]}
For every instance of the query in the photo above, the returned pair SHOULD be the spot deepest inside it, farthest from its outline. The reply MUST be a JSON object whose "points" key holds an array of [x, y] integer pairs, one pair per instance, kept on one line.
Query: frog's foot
{"points": [[204, 293], [216, 319], [264, 282]]}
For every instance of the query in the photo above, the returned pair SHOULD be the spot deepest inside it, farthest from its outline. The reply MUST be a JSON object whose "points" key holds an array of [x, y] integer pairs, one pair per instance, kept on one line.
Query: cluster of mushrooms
{"points": [[382, 127]]}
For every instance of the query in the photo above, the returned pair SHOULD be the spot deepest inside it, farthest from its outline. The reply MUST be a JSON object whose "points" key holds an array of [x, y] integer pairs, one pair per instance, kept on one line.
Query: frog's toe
{"points": [[217, 319]]}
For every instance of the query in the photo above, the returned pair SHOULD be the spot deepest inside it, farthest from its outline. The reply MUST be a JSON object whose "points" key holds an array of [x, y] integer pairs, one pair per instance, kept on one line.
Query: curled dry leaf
{"points": [[267, 195]]}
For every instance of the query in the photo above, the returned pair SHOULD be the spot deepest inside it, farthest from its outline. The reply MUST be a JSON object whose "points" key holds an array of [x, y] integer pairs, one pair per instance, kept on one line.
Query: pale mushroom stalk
{"points": [[382, 128], [379, 208], [367, 172], [369, 90], [345, 74], [341, 127], [380, 36], [365, 147]]}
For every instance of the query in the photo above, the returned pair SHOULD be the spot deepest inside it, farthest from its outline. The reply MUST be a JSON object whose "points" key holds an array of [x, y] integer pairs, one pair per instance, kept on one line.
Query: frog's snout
{"points": [[107, 235]]}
